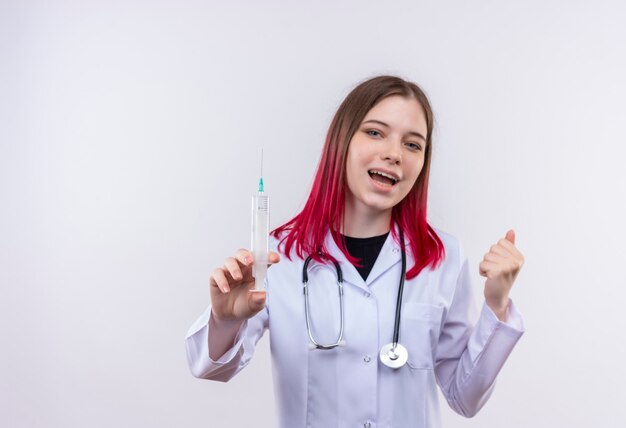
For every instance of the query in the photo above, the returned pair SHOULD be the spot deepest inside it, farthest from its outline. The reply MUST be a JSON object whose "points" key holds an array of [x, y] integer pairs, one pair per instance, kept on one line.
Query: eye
{"points": [[414, 146], [373, 133]]}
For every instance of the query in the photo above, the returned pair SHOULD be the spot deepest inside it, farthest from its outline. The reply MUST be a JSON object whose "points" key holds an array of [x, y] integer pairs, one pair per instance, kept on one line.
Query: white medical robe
{"points": [[348, 386]]}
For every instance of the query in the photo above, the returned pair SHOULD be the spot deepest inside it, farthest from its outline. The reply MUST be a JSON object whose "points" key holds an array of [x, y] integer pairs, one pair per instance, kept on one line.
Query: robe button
{"points": [[367, 425], [367, 359]]}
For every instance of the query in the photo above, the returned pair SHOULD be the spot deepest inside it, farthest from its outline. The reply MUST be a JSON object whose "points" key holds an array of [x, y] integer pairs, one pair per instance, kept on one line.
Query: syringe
{"points": [[260, 233]]}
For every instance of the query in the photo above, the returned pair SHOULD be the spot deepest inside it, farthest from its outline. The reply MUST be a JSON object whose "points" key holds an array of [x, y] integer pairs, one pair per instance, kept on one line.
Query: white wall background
{"points": [[130, 135]]}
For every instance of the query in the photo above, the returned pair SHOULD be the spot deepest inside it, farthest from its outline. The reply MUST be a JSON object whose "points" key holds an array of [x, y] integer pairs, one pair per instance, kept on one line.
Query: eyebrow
{"points": [[416, 134]]}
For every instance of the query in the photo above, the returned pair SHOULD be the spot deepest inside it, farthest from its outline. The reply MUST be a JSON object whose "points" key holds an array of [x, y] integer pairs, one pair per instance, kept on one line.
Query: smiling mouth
{"points": [[382, 178]]}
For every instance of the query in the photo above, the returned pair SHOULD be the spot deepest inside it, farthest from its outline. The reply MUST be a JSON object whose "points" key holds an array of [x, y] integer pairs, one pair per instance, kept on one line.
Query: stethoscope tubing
{"points": [[307, 315], [393, 354], [396, 326]]}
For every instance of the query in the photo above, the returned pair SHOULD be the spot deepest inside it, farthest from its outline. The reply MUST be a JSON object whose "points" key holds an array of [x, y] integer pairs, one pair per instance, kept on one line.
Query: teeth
{"points": [[395, 180]]}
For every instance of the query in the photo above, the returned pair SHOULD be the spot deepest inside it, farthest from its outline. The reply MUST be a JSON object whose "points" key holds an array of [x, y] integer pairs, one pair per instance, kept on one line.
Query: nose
{"points": [[392, 152]]}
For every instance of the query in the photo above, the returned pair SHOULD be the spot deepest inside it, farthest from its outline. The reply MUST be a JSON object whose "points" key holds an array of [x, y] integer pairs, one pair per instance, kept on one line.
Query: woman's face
{"points": [[390, 142]]}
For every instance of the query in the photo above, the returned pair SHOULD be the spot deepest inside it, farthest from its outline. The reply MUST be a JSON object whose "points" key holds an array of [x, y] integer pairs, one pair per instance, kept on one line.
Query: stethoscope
{"points": [[393, 354]]}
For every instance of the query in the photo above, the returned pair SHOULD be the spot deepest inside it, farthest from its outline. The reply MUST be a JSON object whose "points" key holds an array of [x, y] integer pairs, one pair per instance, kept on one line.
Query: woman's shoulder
{"points": [[288, 271], [455, 252], [448, 239], [277, 244]]}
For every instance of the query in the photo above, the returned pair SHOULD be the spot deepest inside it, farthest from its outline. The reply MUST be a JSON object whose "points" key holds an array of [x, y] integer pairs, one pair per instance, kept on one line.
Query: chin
{"points": [[381, 207]]}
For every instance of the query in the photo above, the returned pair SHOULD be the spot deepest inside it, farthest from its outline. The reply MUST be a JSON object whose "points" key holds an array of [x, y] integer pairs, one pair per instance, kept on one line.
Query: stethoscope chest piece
{"points": [[393, 357]]}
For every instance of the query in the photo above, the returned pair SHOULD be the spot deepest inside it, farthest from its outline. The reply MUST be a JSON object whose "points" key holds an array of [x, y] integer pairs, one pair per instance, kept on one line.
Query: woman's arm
{"points": [[233, 354], [222, 340], [468, 359]]}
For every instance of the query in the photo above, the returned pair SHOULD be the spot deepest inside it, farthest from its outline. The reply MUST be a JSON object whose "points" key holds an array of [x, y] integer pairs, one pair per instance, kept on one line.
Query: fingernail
{"points": [[247, 260]]}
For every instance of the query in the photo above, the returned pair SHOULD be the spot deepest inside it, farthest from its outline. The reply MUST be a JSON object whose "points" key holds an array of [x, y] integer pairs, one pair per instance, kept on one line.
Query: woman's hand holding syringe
{"points": [[233, 299]]}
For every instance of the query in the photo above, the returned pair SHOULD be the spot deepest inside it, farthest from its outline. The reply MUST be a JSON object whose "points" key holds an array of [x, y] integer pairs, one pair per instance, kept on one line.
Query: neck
{"points": [[362, 223]]}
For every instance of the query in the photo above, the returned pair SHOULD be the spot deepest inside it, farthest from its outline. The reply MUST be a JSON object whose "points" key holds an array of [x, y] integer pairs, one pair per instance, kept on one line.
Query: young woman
{"points": [[371, 354]]}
